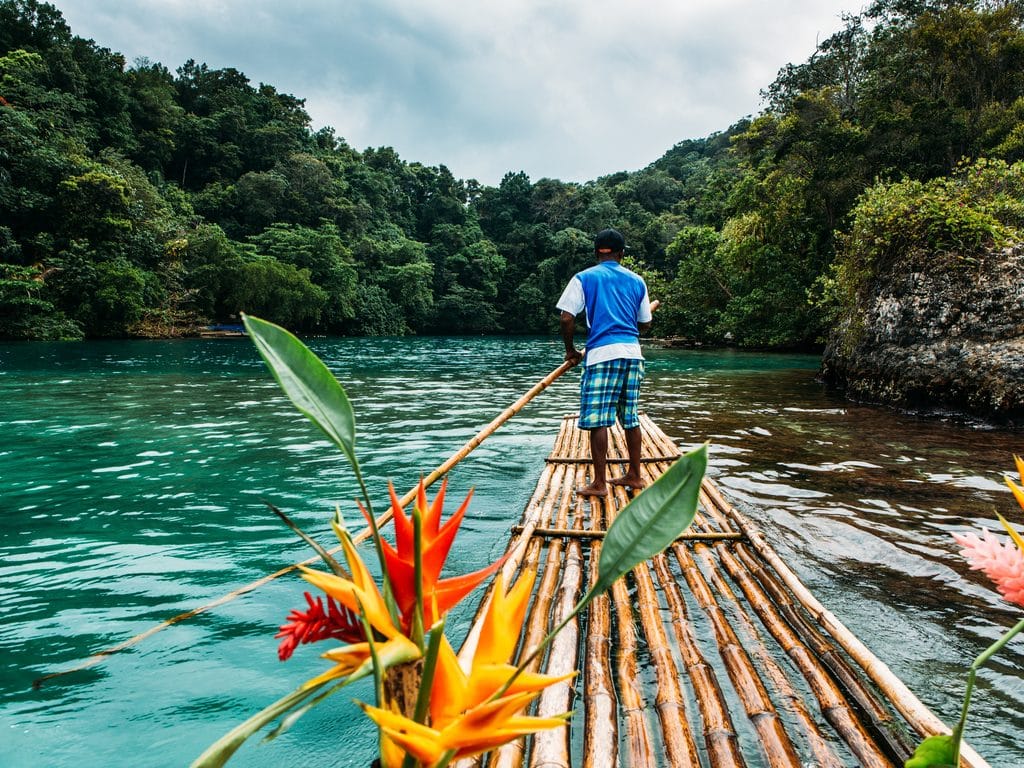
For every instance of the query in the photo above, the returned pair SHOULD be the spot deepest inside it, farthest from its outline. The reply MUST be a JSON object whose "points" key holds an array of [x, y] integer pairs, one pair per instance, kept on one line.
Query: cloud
{"points": [[569, 90]]}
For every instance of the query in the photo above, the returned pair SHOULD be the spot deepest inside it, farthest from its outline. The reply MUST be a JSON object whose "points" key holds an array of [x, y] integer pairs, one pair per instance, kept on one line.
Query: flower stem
{"points": [[417, 547], [389, 596], [958, 732]]}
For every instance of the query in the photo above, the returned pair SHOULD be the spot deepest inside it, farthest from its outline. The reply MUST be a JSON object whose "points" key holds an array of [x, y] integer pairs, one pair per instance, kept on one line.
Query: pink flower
{"points": [[316, 624], [1001, 562]]}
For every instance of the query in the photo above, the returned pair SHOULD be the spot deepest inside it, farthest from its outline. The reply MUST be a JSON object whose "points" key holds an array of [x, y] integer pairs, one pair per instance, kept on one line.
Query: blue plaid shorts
{"points": [[611, 389]]}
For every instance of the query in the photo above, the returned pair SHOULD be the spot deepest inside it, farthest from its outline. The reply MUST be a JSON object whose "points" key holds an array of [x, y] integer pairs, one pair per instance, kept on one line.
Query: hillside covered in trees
{"points": [[139, 201]]}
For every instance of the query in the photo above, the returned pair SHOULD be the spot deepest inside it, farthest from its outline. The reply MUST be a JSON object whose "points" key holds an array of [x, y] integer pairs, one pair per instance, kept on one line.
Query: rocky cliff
{"points": [[938, 334]]}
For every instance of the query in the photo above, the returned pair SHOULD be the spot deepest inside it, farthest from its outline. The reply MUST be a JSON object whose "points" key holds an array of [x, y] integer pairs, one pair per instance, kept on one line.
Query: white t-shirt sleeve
{"points": [[572, 300], [643, 315]]}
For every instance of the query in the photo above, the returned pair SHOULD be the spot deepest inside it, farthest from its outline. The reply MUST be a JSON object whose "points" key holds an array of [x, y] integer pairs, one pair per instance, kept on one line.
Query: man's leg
{"points": [[599, 456], [628, 411], [632, 478]]}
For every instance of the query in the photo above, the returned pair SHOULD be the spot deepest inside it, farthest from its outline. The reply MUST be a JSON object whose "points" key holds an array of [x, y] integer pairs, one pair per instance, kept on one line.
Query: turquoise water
{"points": [[133, 477]]}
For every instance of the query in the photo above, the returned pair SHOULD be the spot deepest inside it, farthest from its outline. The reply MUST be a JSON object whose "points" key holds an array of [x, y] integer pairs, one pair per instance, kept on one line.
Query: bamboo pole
{"points": [[538, 511], [775, 743], [631, 698], [551, 747], [568, 533], [881, 720], [824, 756], [511, 755], [908, 705], [382, 520], [680, 749], [601, 730], [833, 704], [719, 733]]}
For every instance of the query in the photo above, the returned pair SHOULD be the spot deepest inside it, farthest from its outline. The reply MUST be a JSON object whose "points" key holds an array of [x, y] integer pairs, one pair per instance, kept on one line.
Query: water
{"points": [[133, 477]]}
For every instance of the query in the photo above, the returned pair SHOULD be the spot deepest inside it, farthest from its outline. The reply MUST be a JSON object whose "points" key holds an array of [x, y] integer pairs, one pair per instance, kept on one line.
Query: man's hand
{"points": [[573, 355]]}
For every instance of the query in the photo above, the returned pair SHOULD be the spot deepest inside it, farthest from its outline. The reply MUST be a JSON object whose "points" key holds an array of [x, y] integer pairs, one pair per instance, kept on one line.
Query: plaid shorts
{"points": [[611, 389]]}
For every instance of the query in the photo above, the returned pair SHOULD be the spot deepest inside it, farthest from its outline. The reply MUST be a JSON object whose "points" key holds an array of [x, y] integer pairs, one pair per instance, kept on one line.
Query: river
{"points": [[133, 477]]}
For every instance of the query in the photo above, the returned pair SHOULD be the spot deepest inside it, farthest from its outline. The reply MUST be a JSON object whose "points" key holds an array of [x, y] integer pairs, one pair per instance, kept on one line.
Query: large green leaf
{"points": [[934, 752], [652, 520], [307, 382], [218, 753]]}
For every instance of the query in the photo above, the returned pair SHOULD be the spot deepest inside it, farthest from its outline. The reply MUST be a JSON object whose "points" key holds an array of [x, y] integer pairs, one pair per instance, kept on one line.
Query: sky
{"points": [[561, 89]]}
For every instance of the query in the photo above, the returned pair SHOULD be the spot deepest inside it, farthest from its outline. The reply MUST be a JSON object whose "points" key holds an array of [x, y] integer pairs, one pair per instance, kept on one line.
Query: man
{"points": [[617, 309]]}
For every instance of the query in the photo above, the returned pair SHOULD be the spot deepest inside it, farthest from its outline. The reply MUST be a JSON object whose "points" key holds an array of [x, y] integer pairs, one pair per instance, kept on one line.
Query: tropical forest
{"points": [[136, 200]]}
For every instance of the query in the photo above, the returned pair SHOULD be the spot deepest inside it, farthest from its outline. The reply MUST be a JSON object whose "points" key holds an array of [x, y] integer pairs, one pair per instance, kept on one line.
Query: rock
{"points": [[941, 333]]}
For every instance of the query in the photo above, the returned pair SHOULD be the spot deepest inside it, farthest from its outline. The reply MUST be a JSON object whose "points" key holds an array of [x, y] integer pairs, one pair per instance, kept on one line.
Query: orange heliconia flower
{"points": [[466, 717], [361, 596], [439, 595]]}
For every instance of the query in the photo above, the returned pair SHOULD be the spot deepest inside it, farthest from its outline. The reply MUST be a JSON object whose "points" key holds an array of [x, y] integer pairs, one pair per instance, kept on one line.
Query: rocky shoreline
{"points": [[938, 334]]}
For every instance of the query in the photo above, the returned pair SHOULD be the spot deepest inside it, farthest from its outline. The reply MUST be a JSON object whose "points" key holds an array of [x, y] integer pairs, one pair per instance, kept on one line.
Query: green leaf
{"points": [[652, 520], [326, 556], [933, 752], [218, 753], [307, 382]]}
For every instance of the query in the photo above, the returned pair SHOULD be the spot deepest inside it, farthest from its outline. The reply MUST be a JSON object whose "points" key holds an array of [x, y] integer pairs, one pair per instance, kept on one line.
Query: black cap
{"points": [[609, 241]]}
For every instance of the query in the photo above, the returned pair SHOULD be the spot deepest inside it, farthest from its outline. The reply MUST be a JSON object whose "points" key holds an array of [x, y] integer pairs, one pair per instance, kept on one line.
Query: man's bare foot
{"points": [[593, 489], [629, 481]]}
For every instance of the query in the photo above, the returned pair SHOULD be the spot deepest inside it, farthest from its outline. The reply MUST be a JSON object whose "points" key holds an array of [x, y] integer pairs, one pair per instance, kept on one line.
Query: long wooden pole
{"points": [[384, 518]]}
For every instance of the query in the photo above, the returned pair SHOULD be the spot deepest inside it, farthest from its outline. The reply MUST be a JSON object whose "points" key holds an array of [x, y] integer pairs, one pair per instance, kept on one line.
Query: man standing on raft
{"points": [[617, 309]]}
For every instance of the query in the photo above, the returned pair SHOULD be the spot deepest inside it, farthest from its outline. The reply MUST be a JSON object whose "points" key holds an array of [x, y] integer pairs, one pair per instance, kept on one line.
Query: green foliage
{"points": [[329, 263], [280, 292], [23, 314], [933, 752], [199, 194], [938, 224], [307, 382]]}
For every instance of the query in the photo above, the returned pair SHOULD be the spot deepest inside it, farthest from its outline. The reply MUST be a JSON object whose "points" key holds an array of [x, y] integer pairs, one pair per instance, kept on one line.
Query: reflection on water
{"points": [[133, 478]]}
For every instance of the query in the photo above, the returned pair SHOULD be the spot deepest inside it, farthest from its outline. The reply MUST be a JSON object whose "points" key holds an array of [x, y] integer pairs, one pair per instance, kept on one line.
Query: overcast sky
{"points": [[568, 90]]}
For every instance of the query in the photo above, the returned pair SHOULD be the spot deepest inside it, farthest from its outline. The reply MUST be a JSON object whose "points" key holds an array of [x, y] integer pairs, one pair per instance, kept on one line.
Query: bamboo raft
{"points": [[711, 654]]}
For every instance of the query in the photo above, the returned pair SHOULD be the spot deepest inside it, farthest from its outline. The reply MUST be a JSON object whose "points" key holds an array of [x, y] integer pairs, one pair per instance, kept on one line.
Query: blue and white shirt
{"points": [[612, 318]]}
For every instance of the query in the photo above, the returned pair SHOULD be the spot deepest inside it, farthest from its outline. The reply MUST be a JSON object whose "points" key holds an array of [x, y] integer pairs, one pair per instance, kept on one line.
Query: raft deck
{"points": [[710, 654]]}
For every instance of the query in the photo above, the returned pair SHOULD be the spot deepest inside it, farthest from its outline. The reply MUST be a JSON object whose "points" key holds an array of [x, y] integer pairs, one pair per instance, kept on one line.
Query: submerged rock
{"points": [[938, 334]]}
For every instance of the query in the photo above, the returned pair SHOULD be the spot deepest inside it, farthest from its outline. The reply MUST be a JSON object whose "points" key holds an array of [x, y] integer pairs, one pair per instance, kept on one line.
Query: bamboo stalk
{"points": [[610, 460], [833, 704], [601, 730], [511, 754], [824, 756], [382, 520], [568, 533], [551, 747], [775, 743], [680, 749], [908, 705], [631, 699], [719, 733], [883, 724]]}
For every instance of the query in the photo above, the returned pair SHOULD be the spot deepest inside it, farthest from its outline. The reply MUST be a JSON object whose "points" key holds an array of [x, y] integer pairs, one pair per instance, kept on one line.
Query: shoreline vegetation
{"points": [[138, 201]]}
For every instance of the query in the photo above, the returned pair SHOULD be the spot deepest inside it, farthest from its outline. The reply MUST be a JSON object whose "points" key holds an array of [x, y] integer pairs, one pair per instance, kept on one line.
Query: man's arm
{"points": [[567, 323]]}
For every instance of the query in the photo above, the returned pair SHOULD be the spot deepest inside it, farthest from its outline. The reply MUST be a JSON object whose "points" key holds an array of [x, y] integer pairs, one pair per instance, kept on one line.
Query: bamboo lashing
{"points": [[569, 533]]}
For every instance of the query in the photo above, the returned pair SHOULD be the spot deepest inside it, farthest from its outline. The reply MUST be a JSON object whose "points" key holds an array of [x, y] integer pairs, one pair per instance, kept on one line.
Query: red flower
{"points": [[315, 624], [436, 541]]}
